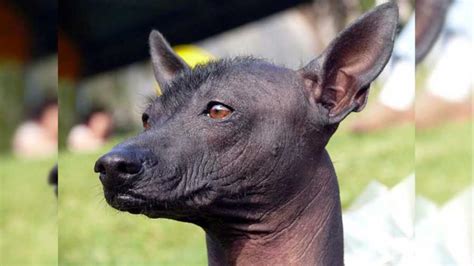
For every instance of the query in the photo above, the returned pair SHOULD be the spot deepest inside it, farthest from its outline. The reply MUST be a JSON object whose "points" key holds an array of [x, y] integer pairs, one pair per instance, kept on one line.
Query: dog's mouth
{"points": [[126, 201]]}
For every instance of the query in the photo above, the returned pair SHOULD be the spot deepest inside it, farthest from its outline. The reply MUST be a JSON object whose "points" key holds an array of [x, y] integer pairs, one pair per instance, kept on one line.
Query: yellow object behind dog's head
{"points": [[192, 55]]}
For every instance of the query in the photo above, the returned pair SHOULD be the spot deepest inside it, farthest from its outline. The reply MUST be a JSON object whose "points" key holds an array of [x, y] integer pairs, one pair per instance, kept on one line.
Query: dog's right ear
{"points": [[339, 79], [166, 63]]}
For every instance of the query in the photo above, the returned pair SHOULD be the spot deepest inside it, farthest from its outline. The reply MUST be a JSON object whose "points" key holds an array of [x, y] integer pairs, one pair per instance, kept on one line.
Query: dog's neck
{"points": [[307, 230]]}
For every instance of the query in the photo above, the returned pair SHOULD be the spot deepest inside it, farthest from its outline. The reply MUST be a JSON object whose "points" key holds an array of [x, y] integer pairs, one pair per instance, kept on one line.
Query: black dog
{"points": [[237, 146]]}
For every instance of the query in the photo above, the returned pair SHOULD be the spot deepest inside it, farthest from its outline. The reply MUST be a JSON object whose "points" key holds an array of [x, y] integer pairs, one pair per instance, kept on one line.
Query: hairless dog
{"points": [[237, 147]]}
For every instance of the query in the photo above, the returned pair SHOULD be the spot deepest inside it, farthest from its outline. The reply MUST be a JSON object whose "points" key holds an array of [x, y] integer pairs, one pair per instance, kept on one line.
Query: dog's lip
{"points": [[135, 204], [127, 197], [126, 201]]}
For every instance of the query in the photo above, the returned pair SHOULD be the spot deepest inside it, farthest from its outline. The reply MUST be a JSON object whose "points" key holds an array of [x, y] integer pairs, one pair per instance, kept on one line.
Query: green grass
{"points": [[28, 211], [385, 156], [444, 161], [93, 233]]}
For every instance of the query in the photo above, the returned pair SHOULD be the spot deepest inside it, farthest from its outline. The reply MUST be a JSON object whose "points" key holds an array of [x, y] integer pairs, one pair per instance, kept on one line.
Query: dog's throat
{"points": [[306, 232]]}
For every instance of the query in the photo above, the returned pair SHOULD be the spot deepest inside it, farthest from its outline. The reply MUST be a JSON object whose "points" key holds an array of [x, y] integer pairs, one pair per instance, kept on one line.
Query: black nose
{"points": [[119, 167]]}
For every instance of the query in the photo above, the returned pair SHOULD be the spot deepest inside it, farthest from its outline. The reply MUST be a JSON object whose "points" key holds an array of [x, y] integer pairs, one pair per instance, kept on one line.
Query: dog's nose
{"points": [[118, 167]]}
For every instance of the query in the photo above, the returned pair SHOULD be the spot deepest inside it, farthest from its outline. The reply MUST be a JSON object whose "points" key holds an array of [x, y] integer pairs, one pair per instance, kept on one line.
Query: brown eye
{"points": [[218, 111], [146, 124]]}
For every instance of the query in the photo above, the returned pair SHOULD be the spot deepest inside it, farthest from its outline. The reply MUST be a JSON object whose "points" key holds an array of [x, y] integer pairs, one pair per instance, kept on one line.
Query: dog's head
{"points": [[227, 138]]}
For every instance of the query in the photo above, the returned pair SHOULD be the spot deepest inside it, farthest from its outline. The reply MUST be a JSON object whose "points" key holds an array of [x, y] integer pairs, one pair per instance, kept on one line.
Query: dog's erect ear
{"points": [[339, 79], [166, 63]]}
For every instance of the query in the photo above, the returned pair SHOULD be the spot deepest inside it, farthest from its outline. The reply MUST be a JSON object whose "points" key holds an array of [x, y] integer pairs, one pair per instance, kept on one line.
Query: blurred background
{"points": [[418, 119], [28, 132]]}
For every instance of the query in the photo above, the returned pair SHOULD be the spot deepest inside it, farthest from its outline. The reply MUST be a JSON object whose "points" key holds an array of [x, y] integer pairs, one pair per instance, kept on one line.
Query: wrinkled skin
{"points": [[262, 171]]}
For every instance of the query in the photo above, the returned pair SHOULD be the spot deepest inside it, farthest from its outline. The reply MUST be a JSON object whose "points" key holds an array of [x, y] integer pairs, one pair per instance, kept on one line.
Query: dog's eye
{"points": [[146, 124], [217, 110]]}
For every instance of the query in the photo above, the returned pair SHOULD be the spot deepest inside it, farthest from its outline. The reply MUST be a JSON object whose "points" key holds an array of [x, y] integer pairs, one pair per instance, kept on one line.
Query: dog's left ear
{"points": [[166, 63], [339, 79]]}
